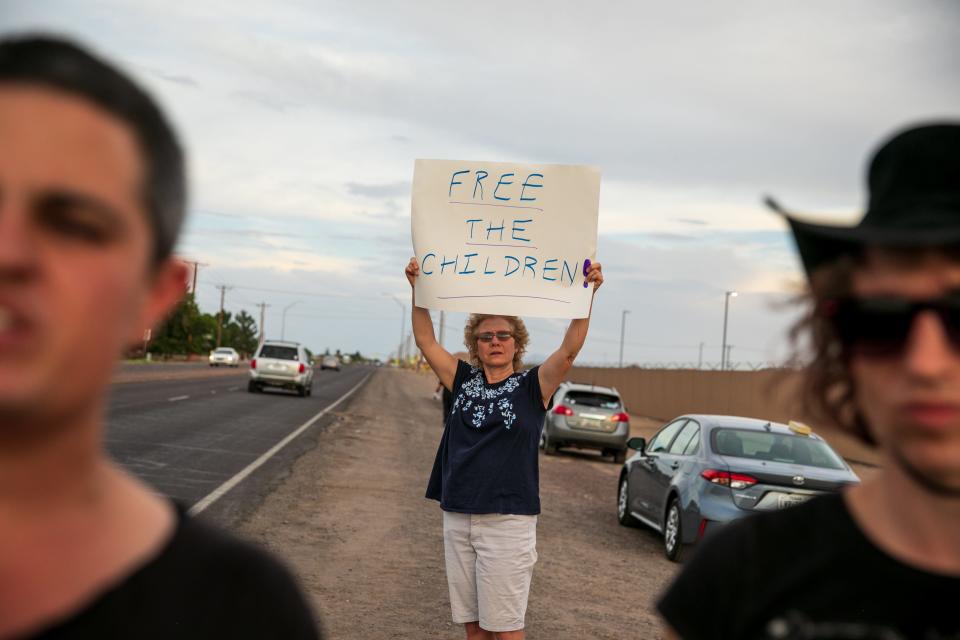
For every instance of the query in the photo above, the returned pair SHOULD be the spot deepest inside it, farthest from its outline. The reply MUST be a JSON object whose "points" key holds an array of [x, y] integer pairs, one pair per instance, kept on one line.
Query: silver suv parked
{"points": [[587, 416], [281, 364]]}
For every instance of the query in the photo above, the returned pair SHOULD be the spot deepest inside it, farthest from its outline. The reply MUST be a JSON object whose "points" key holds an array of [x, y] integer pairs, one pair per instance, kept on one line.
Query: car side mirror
{"points": [[637, 443]]}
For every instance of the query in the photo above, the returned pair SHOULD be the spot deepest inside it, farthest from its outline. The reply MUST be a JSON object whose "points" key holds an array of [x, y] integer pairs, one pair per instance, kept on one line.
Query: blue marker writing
{"points": [[586, 267]]}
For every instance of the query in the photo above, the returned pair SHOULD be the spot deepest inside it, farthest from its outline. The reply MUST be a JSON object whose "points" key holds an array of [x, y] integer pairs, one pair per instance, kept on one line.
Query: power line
{"points": [[303, 293]]}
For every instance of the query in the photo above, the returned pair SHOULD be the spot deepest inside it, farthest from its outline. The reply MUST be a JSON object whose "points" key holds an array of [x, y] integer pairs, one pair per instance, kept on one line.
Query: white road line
{"points": [[233, 389], [177, 398], [220, 491]]}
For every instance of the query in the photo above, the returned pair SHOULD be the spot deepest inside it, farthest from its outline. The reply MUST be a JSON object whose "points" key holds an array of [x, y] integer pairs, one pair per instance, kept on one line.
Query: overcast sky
{"points": [[302, 121]]}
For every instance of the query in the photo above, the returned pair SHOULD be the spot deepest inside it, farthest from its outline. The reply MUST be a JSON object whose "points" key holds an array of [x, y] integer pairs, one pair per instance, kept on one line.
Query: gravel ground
{"points": [[352, 522]]}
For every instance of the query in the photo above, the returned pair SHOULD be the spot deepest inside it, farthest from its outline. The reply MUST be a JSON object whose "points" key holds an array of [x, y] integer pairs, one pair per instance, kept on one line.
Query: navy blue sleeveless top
{"points": [[487, 459]]}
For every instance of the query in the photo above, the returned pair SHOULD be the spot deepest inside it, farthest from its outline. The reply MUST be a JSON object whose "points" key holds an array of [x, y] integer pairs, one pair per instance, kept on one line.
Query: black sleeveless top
{"points": [[487, 460]]}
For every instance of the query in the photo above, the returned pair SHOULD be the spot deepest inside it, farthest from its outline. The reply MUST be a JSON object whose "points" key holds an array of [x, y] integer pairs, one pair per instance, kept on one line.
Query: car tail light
{"points": [[727, 479], [253, 363], [303, 367], [563, 410], [620, 417]]}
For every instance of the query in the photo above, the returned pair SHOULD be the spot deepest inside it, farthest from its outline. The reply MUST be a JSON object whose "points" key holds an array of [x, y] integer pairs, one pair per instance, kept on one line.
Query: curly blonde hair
{"points": [[520, 337]]}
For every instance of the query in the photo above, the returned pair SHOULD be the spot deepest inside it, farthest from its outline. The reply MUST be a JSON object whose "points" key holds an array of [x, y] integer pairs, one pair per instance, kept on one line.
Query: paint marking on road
{"points": [[222, 490], [233, 389], [177, 398]]}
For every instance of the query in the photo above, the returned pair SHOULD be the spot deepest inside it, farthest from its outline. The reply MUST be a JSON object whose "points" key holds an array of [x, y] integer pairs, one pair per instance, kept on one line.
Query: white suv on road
{"points": [[281, 364]]}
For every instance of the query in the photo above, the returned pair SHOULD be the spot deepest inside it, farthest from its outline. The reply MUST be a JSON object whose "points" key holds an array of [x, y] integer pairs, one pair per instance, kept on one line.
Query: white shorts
{"points": [[490, 560]]}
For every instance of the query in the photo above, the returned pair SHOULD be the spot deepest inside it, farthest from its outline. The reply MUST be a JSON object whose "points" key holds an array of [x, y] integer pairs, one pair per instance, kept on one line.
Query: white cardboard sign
{"points": [[502, 238]]}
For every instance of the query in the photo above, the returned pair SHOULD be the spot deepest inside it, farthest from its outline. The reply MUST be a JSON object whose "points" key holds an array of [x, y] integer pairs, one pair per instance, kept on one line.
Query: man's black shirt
{"points": [[807, 572], [202, 584]]}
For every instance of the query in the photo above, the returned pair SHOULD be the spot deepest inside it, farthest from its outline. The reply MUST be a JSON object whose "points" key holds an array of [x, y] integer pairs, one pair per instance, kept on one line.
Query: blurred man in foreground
{"points": [[882, 560], [92, 197]]}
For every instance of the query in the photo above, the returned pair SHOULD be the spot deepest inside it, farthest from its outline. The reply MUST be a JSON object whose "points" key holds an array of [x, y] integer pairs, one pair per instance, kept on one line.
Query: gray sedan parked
{"points": [[702, 471]]}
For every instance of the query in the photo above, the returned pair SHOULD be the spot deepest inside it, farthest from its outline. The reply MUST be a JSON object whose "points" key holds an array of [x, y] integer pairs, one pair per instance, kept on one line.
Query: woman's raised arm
{"points": [[555, 368], [439, 359]]}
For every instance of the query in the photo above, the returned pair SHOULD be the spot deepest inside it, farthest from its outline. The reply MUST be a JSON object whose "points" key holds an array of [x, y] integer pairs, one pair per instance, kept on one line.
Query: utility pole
{"points": [[196, 268], [223, 291], [726, 309], [729, 349], [263, 335], [623, 322], [700, 360]]}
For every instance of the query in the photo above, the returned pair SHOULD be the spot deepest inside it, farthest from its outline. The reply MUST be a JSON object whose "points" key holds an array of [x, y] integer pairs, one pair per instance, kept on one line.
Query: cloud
{"points": [[389, 190], [174, 78], [302, 120], [268, 101]]}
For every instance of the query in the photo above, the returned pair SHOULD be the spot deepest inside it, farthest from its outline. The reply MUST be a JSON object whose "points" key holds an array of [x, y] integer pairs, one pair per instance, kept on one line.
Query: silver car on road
{"points": [[281, 364]]}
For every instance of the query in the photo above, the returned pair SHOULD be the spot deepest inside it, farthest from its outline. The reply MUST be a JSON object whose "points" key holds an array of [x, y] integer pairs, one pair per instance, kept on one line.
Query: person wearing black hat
{"points": [[882, 559]]}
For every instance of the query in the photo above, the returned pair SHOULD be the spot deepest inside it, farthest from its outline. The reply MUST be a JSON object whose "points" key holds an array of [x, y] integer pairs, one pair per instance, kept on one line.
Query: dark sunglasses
{"points": [[880, 326], [487, 336]]}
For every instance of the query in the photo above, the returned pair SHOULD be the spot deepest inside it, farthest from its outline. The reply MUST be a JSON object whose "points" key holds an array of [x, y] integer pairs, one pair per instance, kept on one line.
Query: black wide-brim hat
{"points": [[914, 183]]}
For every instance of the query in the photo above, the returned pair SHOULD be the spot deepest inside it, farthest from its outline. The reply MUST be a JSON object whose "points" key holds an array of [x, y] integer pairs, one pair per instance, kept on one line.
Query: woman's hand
{"points": [[413, 270], [594, 275]]}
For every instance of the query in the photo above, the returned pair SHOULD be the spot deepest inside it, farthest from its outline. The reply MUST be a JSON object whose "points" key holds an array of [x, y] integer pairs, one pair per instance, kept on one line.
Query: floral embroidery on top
{"points": [[477, 401]]}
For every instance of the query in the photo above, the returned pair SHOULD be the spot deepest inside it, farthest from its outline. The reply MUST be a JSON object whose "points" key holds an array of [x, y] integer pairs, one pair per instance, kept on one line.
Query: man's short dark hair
{"points": [[59, 64]]}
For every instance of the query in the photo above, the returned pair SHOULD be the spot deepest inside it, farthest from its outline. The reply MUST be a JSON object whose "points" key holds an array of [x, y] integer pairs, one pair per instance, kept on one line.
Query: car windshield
{"points": [[774, 447], [278, 352], [592, 399], [224, 351]]}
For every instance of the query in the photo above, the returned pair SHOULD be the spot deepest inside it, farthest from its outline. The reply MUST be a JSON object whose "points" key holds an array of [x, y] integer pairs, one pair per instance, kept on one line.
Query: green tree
{"points": [[186, 331], [240, 332]]}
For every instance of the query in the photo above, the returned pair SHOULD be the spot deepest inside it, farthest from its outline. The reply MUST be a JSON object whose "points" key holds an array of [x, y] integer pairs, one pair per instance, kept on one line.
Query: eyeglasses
{"points": [[880, 326], [487, 336]]}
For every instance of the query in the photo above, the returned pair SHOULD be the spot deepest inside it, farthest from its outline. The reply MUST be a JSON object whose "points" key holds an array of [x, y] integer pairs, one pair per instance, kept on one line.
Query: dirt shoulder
{"points": [[352, 522]]}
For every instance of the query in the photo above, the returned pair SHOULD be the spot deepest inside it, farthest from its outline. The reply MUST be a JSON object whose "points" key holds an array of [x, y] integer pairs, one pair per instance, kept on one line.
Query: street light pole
{"points": [[726, 309], [283, 323], [623, 323], [403, 327]]}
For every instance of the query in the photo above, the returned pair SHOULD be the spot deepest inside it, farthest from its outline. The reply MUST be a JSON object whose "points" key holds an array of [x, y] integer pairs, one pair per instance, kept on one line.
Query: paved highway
{"points": [[186, 438]]}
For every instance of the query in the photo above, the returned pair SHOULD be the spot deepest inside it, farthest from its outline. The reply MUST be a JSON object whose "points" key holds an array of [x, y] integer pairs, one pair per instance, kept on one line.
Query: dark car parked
{"points": [[701, 471]]}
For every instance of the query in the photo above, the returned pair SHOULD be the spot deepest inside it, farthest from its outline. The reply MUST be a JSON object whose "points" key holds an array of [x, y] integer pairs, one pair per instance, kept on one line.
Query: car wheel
{"points": [[620, 456], [302, 391], [549, 446], [252, 386], [673, 532], [623, 502]]}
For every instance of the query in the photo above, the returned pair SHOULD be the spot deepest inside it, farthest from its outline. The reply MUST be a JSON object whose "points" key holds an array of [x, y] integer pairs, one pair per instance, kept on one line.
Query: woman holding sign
{"points": [[486, 473]]}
